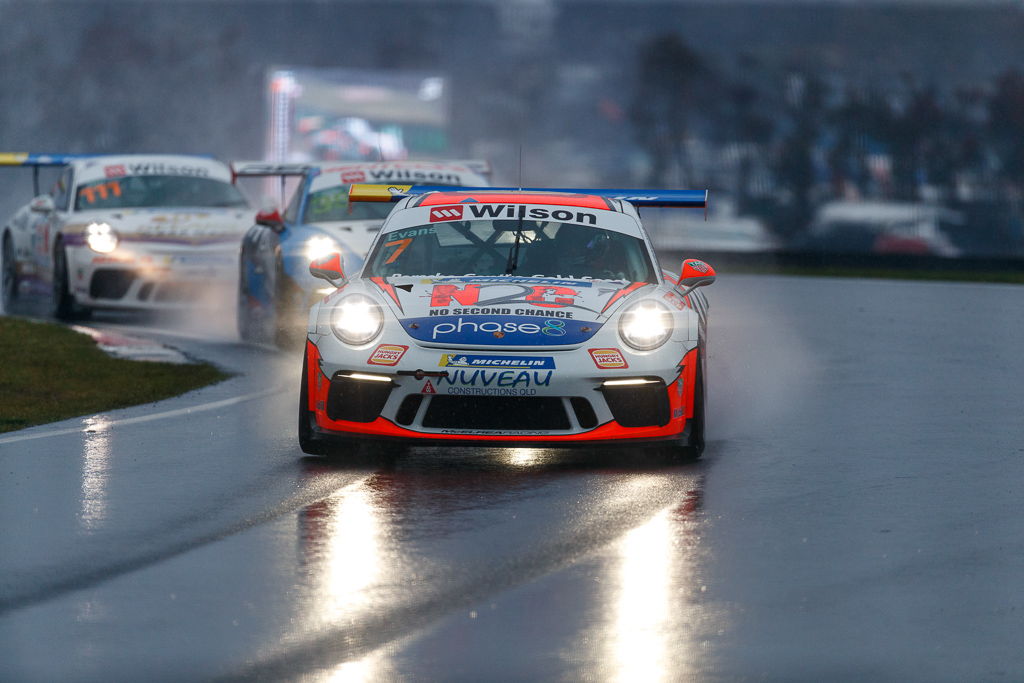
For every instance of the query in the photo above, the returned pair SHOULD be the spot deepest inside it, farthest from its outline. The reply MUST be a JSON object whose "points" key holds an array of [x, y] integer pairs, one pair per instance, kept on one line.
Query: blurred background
{"points": [[860, 127]]}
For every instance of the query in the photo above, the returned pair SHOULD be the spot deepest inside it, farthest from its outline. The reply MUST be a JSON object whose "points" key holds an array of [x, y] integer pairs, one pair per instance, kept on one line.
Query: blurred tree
{"points": [[914, 140], [750, 126], [668, 71], [1006, 124], [794, 166]]}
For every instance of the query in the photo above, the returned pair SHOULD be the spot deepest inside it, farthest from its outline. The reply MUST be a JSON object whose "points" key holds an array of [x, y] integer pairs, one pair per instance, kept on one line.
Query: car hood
{"points": [[189, 227], [503, 311]]}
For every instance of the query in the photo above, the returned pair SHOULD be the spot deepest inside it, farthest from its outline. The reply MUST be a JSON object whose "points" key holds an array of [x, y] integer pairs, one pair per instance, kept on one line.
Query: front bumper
{"points": [[156, 280], [399, 394]]}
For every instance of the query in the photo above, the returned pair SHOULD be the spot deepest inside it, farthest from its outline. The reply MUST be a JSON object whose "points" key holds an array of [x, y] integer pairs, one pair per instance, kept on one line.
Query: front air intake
{"points": [[638, 405], [356, 400], [110, 283], [505, 413]]}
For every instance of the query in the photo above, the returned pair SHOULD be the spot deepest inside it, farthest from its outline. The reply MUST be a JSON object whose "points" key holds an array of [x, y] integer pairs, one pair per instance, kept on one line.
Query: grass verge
{"points": [[49, 373]]}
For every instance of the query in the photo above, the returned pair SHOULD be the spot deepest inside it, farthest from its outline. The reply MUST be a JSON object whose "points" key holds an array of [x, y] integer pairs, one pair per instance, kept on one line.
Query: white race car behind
{"points": [[125, 232]]}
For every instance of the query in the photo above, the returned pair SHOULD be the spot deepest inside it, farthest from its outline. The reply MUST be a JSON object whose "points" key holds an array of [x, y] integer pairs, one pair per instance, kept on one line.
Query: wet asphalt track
{"points": [[857, 516]]}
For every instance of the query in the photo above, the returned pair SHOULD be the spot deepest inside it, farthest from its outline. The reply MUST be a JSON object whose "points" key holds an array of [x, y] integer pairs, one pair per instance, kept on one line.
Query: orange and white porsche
{"points": [[517, 317]]}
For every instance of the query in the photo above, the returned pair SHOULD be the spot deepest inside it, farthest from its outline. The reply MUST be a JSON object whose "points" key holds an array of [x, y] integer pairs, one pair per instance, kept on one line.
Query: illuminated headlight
{"points": [[356, 320], [101, 237], [646, 325], [318, 247]]}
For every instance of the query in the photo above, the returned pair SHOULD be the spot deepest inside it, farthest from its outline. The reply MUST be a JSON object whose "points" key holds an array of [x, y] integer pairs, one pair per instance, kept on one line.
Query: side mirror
{"points": [[695, 274], [328, 268], [42, 204], [270, 218]]}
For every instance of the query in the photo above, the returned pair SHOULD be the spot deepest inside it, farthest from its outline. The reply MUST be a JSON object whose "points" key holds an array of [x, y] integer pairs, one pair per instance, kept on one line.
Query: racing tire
{"points": [[64, 307], [8, 275], [693, 447], [307, 439], [288, 328], [243, 315]]}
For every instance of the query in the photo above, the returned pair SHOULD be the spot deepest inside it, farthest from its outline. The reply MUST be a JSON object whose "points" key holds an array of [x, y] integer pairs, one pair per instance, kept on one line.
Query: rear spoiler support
{"points": [[263, 169], [36, 161]]}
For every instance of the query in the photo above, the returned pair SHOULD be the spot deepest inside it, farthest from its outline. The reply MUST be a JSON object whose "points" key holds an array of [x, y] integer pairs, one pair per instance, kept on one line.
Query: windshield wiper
{"points": [[513, 254]]}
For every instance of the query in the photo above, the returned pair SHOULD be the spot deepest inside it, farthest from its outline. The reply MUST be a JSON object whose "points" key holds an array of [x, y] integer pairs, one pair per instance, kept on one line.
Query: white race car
{"points": [[275, 287], [125, 232], [520, 317]]}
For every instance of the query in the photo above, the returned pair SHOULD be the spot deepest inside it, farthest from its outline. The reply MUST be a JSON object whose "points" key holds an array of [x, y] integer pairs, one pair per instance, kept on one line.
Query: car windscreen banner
{"points": [[514, 216]]}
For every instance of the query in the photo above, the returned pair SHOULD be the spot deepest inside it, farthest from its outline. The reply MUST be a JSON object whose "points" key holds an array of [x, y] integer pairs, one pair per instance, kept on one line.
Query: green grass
{"points": [[49, 373]]}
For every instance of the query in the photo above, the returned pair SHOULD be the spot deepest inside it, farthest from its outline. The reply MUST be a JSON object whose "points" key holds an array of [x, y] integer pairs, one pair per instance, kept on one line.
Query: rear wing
{"points": [[695, 199], [263, 169], [35, 161], [30, 159]]}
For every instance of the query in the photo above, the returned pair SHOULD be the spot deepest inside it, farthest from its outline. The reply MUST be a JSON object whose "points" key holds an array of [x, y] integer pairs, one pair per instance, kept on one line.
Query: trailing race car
{"points": [[508, 316], [275, 287], [124, 232]]}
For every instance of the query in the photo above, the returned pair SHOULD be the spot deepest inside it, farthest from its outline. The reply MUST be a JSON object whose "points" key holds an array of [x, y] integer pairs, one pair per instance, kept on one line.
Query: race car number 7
{"points": [[401, 246]]}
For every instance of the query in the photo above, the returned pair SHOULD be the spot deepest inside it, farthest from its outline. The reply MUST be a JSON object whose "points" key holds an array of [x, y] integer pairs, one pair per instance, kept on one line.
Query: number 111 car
{"points": [[515, 317]]}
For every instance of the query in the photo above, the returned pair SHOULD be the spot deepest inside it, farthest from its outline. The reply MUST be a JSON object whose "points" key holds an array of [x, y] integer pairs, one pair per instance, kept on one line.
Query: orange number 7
{"points": [[401, 244]]}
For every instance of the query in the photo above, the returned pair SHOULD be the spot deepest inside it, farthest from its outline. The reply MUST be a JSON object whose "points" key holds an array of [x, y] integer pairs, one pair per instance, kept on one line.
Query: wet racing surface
{"points": [[856, 516]]}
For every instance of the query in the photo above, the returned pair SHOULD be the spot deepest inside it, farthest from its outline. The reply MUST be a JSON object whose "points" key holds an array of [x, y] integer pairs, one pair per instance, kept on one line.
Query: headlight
{"points": [[646, 325], [318, 247], [356, 319], [101, 237]]}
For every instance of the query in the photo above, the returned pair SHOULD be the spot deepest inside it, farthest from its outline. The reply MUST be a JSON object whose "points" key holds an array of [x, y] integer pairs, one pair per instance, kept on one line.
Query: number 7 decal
{"points": [[402, 246]]}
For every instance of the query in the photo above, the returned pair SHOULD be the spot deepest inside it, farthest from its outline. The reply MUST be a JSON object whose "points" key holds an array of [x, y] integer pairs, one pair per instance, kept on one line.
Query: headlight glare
{"points": [[646, 325], [101, 237], [320, 246], [357, 319]]}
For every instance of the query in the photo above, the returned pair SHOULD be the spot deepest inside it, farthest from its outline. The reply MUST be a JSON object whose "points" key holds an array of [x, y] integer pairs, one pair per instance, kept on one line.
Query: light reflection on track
{"points": [[819, 521], [96, 455]]}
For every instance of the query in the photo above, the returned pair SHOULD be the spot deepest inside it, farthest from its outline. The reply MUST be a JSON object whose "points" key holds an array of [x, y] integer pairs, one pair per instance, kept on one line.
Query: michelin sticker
{"points": [[458, 360]]}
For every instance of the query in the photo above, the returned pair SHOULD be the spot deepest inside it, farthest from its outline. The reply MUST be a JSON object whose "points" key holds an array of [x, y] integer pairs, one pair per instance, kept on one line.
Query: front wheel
{"points": [[247, 329], [64, 305], [289, 323], [307, 440], [8, 275], [693, 446]]}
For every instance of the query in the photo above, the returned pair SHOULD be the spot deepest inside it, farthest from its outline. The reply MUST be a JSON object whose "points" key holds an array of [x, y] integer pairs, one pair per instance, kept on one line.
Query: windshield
{"points": [[157, 191], [332, 204], [511, 247]]}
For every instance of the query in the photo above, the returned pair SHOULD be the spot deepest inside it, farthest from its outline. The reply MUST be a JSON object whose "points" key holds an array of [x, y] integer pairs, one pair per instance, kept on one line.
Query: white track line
{"points": [[202, 407]]}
